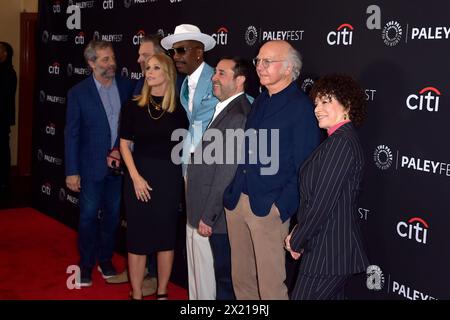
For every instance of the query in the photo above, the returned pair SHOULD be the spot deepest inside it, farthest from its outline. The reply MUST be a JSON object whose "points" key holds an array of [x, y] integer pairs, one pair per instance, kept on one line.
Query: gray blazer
{"points": [[207, 182]]}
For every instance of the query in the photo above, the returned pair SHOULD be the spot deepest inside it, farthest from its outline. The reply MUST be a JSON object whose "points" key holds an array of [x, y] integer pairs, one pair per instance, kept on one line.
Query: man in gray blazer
{"points": [[209, 174]]}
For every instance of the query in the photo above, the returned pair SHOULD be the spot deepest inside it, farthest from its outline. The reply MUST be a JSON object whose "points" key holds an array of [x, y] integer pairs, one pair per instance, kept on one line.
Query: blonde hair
{"points": [[169, 102]]}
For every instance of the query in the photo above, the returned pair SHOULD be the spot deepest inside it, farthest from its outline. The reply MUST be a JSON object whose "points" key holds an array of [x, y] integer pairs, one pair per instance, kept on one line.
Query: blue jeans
{"points": [[97, 232]]}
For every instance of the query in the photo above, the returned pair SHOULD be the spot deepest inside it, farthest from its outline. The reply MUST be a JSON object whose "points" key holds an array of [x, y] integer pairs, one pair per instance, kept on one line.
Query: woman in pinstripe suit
{"points": [[327, 235]]}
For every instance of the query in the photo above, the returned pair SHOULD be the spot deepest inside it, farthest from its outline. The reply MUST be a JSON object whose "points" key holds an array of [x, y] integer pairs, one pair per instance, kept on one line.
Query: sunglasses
{"points": [[179, 51]]}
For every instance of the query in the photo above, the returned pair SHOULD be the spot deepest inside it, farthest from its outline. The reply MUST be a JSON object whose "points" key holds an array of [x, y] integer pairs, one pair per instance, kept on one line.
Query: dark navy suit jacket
{"points": [[87, 133], [328, 229], [291, 112]]}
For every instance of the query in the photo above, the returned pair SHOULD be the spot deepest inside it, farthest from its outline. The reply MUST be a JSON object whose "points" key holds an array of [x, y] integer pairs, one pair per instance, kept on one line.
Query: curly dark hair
{"points": [[346, 91]]}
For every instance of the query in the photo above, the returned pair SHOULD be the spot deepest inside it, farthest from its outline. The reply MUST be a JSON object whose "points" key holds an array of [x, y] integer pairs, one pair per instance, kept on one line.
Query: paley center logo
{"points": [[81, 4], [221, 36], [80, 71], [47, 36], [414, 229], [392, 33], [342, 36], [43, 97], [252, 35], [409, 293], [48, 158], [427, 99], [384, 158], [128, 3], [430, 33], [64, 196], [107, 37]]}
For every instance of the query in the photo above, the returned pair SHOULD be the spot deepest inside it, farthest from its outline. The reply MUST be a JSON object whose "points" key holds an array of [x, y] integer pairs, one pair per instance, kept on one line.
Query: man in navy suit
{"points": [[92, 155], [260, 200]]}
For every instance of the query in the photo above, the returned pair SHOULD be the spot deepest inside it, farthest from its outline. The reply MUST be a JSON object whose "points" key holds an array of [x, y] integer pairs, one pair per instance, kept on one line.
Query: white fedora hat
{"points": [[188, 32]]}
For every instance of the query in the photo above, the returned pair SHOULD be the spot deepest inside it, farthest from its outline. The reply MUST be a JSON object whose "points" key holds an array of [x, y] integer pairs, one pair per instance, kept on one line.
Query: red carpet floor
{"points": [[35, 252]]}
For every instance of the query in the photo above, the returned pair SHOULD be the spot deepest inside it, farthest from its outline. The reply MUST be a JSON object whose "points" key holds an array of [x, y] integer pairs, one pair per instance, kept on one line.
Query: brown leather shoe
{"points": [[119, 278], [149, 286]]}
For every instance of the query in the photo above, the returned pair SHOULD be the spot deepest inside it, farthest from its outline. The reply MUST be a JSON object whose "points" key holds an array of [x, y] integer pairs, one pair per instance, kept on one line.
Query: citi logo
{"points": [[137, 38], [54, 68], [415, 229], [79, 39], [50, 129], [108, 4], [56, 7], [427, 99], [342, 36], [221, 36], [46, 189]]}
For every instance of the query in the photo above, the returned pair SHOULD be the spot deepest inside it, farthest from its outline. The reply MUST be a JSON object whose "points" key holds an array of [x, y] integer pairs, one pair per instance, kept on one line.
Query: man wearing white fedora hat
{"points": [[187, 46]]}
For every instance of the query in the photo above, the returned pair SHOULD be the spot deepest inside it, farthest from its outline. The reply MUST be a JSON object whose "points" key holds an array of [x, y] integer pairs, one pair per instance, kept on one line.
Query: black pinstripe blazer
{"points": [[328, 229]]}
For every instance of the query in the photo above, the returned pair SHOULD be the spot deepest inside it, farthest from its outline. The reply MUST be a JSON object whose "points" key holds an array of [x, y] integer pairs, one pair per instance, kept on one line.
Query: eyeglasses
{"points": [[180, 50], [264, 62]]}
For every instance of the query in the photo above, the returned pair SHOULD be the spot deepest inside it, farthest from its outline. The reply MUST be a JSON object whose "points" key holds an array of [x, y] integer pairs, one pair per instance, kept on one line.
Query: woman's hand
{"points": [[141, 188]]}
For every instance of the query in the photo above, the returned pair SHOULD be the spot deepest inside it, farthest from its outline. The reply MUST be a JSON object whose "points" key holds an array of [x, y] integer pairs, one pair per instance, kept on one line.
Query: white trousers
{"points": [[200, 262]]}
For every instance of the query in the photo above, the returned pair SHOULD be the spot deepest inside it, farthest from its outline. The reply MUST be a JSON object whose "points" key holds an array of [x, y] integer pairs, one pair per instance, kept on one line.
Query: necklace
{"points": [[157, 107]]}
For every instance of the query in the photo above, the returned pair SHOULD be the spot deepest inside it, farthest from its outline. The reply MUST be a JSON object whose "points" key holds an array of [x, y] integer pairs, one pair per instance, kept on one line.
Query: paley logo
{"points": [[53, 99], [430, 33], [124, 72], [54, 68], [414, 229], [64, 196], [427, 99], [50, 129], [47, 36], [370, 94], [251, 35], [81, 71], [287, 35], [221, 36], [383, 157], [375, 278], [307, 85], [363, 213], [342, 36], [392, 33], [46, 188], [409, 293], [79, 38], [81, 4], [107, 37], [137, 38], [51, 159]]}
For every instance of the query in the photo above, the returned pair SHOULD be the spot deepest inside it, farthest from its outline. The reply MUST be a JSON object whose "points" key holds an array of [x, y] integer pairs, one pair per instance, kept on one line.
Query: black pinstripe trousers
{"points": [[319, 287]]}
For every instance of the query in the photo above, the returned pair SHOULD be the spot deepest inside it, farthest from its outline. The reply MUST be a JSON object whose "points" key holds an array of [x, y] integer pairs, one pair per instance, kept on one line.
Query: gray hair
{"points": [[90, 52], [295, 60]]}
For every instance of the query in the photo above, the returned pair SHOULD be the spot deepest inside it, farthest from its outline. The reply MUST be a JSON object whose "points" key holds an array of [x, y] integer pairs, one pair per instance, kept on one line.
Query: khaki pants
{"points": [[257, 252]]}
